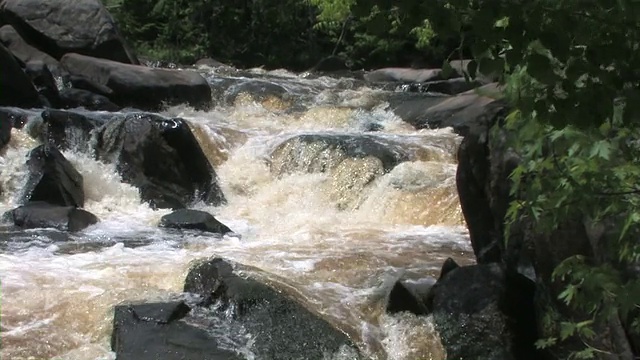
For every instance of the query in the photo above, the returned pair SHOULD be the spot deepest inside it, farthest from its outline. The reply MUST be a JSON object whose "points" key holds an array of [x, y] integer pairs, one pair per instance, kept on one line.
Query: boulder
{"points": [[403, 75], [473, 312], [461, 67], [68, 130], [24, 51], [81, 82], [403, 298], [53, 179], [158, 331], [75, 98], [161, 157], [39, 214], [18, 117], [258, 89], [322, 152], [281, 328], [58, 27], [17, 89], [43, 79], [461, 112], [193, 220], [139, 86]]}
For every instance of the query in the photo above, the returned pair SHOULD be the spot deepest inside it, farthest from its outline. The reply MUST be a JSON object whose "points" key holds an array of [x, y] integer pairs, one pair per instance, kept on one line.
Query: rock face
{"points": [[17, 89], [39, 214], [193, 220], [139, 86], [161, 157], [248, 317], [58, 27], [53, 179]]}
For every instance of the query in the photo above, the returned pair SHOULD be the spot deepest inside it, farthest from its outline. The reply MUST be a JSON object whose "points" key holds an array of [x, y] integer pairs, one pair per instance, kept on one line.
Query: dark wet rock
{"points": [[83, 83], [404, 75], [311, 152], [259, 90], [17, 89], [22, 50], [161, 157], [281, 327], [40, 214], [17, 117], [193, 220], [58, 27], [6, 124], [157, 331], [473, 311], [449, 86], [43, 79], [74, 98], [140, 86], [53, 179], [68, 130], [403, 298]]}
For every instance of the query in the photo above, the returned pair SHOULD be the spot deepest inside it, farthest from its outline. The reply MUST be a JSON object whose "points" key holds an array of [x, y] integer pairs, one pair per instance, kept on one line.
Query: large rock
{"points": [[158, 331], [68, 130], [22, 50], [53, 179], [193, 220], [44, 81], [139, 86], [161, 157], [17, 89], [35, 215], [281, 327], [481, 313], [76, 98], [58, 27], [461, 112], [323, 152]]}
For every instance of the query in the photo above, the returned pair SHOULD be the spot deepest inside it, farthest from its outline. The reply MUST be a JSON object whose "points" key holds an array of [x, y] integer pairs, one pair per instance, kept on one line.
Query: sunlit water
{"points": [[338, 241]]}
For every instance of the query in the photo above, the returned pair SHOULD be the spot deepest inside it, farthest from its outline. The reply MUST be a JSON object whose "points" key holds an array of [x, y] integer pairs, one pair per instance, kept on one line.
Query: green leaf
{"points": [[601, 149]]}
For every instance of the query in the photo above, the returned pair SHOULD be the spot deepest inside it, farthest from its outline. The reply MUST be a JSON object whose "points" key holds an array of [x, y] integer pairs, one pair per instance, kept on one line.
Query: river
{"points": [[339, 237]]}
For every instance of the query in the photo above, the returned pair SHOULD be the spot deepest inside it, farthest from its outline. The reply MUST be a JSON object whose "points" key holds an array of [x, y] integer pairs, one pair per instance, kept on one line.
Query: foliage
{"points": [[570, 71]]}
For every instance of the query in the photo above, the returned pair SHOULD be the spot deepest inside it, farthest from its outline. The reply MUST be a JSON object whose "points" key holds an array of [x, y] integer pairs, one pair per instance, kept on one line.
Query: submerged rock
{"points": [[140, 86], [322, 152], [68, 130], [161, 157], [53, 179], [40, 214], [74, 98], [193, 220]]}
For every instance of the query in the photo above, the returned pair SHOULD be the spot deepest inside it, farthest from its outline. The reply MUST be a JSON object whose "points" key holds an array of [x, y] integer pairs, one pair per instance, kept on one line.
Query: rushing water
{"points": [[339, 238]]}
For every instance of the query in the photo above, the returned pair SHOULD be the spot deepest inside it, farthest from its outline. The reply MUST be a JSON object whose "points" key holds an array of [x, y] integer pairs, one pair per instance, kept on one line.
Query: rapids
{"points": [[338, 238]]}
